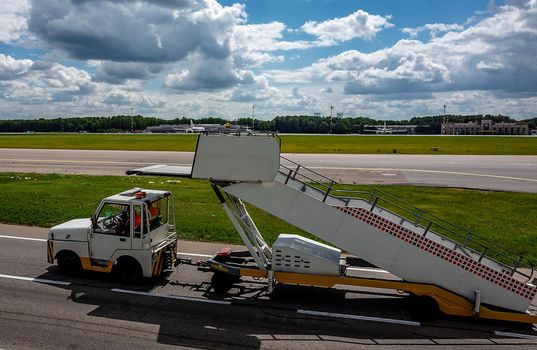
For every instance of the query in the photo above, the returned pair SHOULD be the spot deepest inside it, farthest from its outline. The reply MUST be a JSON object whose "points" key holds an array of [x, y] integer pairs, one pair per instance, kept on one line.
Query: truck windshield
{"points": [[113, 219]]}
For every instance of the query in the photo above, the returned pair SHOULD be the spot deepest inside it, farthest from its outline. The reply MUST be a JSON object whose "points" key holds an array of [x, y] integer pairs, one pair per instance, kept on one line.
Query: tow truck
{"points": [[131, 234], [463, 274]]}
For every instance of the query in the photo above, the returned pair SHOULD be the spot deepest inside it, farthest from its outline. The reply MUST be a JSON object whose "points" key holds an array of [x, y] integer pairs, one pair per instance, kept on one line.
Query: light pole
{"points": [[253, 117], [331, 110], [444, 124], [132, 120]]}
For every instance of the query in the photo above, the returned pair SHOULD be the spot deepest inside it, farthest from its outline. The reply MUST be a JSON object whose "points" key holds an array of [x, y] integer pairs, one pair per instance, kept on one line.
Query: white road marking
{"points": [[366, 270], [44, 240], [24, 238], [61, 283], [32, 279], [431, 172], [515, 335], [195, 254], [357, 317], [208, 301], [96, 162]]}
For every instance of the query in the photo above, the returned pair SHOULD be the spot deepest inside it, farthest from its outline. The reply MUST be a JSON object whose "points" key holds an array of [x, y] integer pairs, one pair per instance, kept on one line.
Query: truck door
{"points": [[140, 228], [111, 232]]}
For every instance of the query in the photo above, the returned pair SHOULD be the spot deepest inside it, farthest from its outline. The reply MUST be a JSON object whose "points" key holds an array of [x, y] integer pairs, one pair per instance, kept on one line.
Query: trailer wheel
{"points": [[69, 263], [425, 308], [128, 270], [221, 282]]}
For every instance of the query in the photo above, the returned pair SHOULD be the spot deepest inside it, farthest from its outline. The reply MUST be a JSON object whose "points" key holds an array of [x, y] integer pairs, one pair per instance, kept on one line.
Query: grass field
{"points": [[45, 200], [290, 143]]}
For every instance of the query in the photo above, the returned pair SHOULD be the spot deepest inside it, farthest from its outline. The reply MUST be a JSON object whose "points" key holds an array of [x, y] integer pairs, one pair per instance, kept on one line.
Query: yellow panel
{"points": [[86, 265], [253, 273], [449, 303]]}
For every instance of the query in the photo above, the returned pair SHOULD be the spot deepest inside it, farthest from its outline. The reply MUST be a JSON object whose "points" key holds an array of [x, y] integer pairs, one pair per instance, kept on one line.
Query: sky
{"points": [[385, 59]]}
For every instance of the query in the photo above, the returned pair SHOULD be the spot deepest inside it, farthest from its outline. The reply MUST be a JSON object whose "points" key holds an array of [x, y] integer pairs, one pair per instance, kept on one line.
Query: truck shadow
{"points": [[254, 317]]}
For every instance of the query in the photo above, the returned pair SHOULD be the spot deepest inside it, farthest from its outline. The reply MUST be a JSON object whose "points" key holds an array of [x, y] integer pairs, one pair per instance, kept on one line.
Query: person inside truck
{"points": [[154, 214], [114, 220], [123, 224]]}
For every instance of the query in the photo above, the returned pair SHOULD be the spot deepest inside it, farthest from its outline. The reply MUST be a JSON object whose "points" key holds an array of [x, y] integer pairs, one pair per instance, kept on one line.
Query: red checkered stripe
{"points": [[449, 255]]}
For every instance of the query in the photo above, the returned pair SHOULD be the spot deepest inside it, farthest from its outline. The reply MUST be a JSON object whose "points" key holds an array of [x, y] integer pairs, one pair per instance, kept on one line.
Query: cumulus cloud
{"points": [[254, 44], [359, 24], [203, 74], [433, 28], [131, 98], [257, 91], [134, 31], [32, 82], [493, 54], [265, 37], [11, 68], [13, 25], [414, 72], [119, 72], [68, 79], [209, 59]]}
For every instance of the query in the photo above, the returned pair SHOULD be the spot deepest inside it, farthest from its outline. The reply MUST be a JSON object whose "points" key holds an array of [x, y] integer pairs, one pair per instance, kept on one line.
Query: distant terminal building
{"points": [[484, 127], [168, 129]]}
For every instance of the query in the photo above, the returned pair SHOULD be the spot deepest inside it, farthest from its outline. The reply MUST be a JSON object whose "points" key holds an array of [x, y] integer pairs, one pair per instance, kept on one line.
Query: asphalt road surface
{"points": [[503, 173], [40, 308]]}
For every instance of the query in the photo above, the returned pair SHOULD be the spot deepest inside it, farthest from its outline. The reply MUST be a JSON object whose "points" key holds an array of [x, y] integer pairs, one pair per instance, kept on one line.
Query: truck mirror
{"points": [[93, 221]]}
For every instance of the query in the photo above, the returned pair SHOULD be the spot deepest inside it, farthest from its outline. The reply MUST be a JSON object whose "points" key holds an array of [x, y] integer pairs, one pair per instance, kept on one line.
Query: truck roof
{"points": [[129, 196]]}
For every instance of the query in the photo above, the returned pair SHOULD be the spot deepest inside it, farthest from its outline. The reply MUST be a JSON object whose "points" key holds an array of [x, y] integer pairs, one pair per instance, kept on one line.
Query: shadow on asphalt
{"points": [[254, 316]]}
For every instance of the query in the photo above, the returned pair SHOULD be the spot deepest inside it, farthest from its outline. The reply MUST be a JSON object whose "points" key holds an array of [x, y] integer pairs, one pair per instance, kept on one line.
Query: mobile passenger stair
{"points": [[463, 273]]}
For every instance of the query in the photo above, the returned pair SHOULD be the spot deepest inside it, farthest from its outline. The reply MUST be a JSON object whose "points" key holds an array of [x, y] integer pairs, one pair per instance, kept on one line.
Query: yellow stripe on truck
{"points": [[156, 263], [50, 252]]}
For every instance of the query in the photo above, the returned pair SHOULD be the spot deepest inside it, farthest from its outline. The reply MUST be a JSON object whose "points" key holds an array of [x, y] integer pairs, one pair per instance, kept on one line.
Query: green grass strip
{"points": [[372, 144], [509, 219]]}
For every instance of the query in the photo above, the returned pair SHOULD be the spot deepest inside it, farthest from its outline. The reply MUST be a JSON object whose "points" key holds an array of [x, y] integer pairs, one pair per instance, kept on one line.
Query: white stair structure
{"points": [[377, 227]]}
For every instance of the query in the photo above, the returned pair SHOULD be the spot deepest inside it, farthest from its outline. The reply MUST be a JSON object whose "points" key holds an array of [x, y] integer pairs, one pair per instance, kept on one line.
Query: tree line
{"points": [[283, 124]]}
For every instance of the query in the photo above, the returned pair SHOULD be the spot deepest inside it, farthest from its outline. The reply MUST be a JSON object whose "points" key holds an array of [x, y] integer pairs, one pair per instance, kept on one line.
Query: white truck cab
{"points": [[131, 233]]}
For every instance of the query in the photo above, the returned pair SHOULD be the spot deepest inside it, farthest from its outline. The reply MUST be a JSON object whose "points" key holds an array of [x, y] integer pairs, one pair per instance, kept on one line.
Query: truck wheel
{"points": [[69, 263], [129, 271], [221, 282]]}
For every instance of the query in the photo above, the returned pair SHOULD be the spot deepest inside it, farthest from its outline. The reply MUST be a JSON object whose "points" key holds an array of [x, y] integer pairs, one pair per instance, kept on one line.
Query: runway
{"points": [[501, 173], [40, 308]]}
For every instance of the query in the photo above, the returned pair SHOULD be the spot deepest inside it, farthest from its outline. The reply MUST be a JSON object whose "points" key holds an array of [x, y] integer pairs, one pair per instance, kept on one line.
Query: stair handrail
{"points": [[468, 236]]}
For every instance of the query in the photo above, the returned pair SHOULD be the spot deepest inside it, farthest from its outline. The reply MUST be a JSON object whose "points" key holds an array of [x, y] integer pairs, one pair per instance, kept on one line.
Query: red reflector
{"points": [[224, 252]]}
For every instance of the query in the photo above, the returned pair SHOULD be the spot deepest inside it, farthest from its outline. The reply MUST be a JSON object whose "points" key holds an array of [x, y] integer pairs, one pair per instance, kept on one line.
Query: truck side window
{"points": [[158, 213], [114, 219]]}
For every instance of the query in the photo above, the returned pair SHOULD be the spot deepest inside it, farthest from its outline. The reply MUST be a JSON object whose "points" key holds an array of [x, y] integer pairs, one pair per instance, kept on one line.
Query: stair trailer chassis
{"points": [[228, 267]]}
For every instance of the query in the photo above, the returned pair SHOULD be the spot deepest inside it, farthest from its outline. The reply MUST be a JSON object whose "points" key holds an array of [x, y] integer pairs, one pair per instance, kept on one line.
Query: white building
{"points": [[484, 127]]}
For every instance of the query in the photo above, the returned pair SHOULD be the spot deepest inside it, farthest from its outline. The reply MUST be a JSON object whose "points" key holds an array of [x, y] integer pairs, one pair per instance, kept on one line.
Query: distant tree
{"points": [[324, 127], [340, 127], [287, 124]]}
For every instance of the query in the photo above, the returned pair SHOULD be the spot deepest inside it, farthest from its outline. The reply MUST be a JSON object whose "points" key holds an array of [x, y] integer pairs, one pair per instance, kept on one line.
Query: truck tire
{"points": [[221, 282], [129, 270], [69, 263]]}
